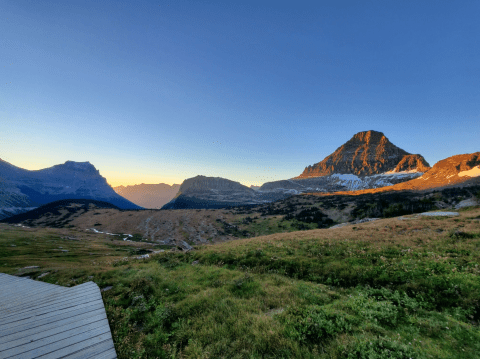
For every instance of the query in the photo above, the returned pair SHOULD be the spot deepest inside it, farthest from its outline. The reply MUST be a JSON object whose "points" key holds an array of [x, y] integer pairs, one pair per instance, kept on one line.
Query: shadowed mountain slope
{"points": [[57, 213], [211, 192], [20, 188]]}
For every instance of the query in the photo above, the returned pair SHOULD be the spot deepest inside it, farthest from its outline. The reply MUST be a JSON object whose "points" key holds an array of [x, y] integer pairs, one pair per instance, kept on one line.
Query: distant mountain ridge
{"points": [[455, 171], [366, 153], [148, 195], [367, 160], [211, 192], [21, 188]]}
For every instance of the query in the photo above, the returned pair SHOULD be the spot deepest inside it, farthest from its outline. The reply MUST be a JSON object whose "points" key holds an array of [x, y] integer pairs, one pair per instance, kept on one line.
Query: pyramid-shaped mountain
{"points": [[367, 153]]}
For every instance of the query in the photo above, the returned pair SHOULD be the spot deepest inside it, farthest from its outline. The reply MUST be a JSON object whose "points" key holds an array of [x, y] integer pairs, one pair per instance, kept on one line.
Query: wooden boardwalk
{"points": [[42, 320]]}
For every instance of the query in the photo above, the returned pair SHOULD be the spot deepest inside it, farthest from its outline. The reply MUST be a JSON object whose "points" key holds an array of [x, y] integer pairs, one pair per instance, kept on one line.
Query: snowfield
{"points": [[474, 172]]}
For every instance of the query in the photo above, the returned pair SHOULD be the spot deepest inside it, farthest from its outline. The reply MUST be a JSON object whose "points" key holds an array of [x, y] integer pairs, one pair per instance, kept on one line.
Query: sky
{"points": [[252, 91]]}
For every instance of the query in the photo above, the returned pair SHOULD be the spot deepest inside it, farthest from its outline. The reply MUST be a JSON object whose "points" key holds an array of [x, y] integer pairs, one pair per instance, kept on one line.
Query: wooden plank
{"points": [[27, 298], [21, 287], [5, 278], [60, 303], [7, 344], [70, 321], [25, 289], [50, 300], [33, 283], [39, 287], [63, 314], [101, 349], [23, 280], [46, 312], [97, 327], [27, 286], [109, 354], [39, 319], [68, 345]]}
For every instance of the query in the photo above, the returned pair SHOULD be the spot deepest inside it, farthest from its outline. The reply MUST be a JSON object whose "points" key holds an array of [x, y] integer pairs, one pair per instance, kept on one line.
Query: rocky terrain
{"points": [[21, 189], [148, 195], [187, 227], [365, 154], [455, 171]]}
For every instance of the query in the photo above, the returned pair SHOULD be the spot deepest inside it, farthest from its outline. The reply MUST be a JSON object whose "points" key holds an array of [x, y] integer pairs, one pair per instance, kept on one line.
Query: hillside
{"points": [[393, 288], [207, 226], [58, 213]]}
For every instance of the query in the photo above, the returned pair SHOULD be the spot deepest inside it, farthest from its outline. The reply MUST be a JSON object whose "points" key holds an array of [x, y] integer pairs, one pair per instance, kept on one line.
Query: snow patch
{"points": [[392, 172], [346, 177], [474, 172]]}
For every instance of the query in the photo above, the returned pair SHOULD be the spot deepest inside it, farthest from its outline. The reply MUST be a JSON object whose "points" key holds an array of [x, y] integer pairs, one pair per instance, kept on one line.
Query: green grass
{"points": [[386, 289]]}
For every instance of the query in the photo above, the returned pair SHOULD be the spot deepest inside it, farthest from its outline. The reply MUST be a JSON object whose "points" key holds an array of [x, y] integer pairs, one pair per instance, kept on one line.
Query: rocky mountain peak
{"points": [[366, 153], [78, 166], [369, 136], [410, 163]]}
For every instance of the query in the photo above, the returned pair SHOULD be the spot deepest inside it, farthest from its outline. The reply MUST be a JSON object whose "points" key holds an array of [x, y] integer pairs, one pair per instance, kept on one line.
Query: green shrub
{"points": [[245, 287], [381, 348], [382, 312], [314, 323]]}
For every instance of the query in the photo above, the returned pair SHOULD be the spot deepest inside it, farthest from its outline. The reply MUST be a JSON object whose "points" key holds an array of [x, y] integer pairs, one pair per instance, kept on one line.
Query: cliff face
{"points": [[21, 188], [412, 163], [365, 154], [205, 184]]}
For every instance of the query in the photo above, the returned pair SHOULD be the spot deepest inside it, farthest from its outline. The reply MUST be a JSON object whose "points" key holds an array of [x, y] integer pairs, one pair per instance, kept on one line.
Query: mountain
{"points": [[148, 195], [211, 192], [455, 171], [452, 171], [21, 189], [365, 154], [367, 160]]}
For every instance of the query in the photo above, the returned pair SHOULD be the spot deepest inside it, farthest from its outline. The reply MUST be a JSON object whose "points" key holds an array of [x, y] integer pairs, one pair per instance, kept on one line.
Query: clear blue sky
{"points": [[252, 91]]}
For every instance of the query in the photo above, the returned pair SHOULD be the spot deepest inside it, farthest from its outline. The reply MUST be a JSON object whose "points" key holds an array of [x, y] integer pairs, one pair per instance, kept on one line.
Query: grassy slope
{"points": [[386, 289]]}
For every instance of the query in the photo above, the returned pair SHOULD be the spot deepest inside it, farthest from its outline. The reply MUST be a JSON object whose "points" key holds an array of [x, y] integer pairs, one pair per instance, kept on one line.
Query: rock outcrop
{"points": [[412, 163], [365, 154]]}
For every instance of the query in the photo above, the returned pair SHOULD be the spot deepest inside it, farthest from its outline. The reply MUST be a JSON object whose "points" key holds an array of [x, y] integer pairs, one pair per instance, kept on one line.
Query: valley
{"points": [[404, 286]]}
